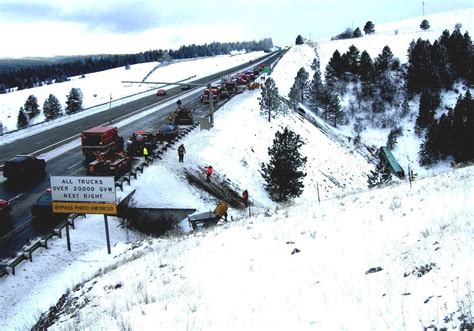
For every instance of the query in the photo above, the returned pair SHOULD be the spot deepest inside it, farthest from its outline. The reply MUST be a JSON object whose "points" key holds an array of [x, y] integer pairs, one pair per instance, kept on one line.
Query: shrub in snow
{"points": [[299, 40], [380, 176], [425, 25], [393, 135], [369, 27]]}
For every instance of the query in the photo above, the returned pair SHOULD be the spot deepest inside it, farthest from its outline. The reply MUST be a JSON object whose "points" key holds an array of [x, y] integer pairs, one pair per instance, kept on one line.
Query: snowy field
{"points": [[396, 258], [99, 88]]}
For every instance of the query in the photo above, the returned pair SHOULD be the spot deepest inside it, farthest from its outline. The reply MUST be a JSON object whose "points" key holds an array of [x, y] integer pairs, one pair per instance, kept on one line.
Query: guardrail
{"points": [[27, 253]]}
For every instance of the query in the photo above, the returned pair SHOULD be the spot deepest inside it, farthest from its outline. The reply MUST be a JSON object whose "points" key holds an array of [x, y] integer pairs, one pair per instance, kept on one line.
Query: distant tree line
{"points": [[32, 76]]}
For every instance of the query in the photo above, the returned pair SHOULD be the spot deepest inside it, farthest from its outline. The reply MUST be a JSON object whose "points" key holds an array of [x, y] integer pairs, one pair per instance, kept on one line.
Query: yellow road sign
{"points": [[63, 207]]}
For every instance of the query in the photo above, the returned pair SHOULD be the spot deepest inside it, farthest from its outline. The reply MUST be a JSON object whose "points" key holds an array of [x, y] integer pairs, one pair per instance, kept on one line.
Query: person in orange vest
{"points": [[245, 198], [209, 173]]}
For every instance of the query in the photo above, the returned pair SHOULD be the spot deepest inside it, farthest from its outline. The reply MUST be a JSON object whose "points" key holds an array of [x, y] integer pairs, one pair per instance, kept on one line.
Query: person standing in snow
{"points": [[209, 173], [245, 198], [145, 153], [181, 152]]}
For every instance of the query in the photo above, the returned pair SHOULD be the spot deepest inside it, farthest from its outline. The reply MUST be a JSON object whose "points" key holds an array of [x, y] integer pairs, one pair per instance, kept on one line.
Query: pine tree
{"points": [[352, 59], [74, 101], [425, 25], [380, 176], [315, 87], [31, 106], [334, 69], [366, 67], [316, 64], [22, 119], [384, 60], [284, 172], [300, 87], [429, 102], [357, 33], [52, 108], [330, 104], [463, 129], [299, 40], [369, 27], [421, 73], [270, 103], [442, 65], [429, 149], [387, 87]]}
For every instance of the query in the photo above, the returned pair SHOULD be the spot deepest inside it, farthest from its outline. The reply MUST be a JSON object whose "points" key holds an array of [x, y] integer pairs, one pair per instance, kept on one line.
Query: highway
{"points": [[20, 229]]}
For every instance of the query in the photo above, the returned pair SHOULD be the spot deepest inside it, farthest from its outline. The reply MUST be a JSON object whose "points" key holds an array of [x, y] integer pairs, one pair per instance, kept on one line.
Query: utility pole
{"points": [[110, 108], [423, 3], [211, 105]]}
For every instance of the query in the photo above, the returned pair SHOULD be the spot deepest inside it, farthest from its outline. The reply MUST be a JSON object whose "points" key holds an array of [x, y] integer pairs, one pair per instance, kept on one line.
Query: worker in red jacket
{"points": [[245, 198], [209, 173]]}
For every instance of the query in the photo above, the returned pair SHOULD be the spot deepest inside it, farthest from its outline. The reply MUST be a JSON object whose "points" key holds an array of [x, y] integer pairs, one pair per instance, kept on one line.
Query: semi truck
{"points": [[101, 139]]}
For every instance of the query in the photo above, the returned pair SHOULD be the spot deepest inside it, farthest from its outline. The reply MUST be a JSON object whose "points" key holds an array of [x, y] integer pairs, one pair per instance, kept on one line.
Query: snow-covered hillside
{"points": [[397, 35], [392, 258], [395, 258]]}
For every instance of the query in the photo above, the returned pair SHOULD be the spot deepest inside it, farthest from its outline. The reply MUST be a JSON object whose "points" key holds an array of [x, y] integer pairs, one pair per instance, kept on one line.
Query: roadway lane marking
{"points": [[74, 165], [15, 197]]}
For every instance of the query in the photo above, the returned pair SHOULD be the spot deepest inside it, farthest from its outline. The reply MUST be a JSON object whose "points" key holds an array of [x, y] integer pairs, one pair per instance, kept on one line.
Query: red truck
{"points": [[215, 93], [101, 139]]}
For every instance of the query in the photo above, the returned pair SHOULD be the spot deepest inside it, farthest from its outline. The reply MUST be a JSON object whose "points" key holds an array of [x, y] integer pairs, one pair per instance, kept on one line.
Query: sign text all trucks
{"points": [[87, 195]]}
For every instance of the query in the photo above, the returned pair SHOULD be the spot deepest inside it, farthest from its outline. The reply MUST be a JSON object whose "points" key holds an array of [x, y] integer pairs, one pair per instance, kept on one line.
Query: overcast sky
{"points": [[69, 27]]}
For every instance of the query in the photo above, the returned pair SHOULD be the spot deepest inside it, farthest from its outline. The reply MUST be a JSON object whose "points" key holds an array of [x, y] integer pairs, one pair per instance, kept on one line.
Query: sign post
{"points": [[84, 195], [107, 238]]}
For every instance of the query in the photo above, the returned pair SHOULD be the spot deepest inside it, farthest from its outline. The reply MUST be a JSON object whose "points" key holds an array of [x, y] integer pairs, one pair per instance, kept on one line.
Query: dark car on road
{"points": [[160, 93], [5, 209], [167, 132], [42, 209], [22, 167], [185, 87]]}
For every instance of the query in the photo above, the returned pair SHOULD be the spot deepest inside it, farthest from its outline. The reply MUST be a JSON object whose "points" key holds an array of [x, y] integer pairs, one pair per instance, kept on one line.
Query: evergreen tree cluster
{"points": [[284, 173], [438, 65], [452, 135], [348, 34], [38, 75], [51, 107]]}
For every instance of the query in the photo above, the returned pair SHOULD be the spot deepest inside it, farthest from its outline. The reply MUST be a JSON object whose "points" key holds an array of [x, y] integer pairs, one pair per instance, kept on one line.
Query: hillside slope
{"points": [[389, 259]]}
